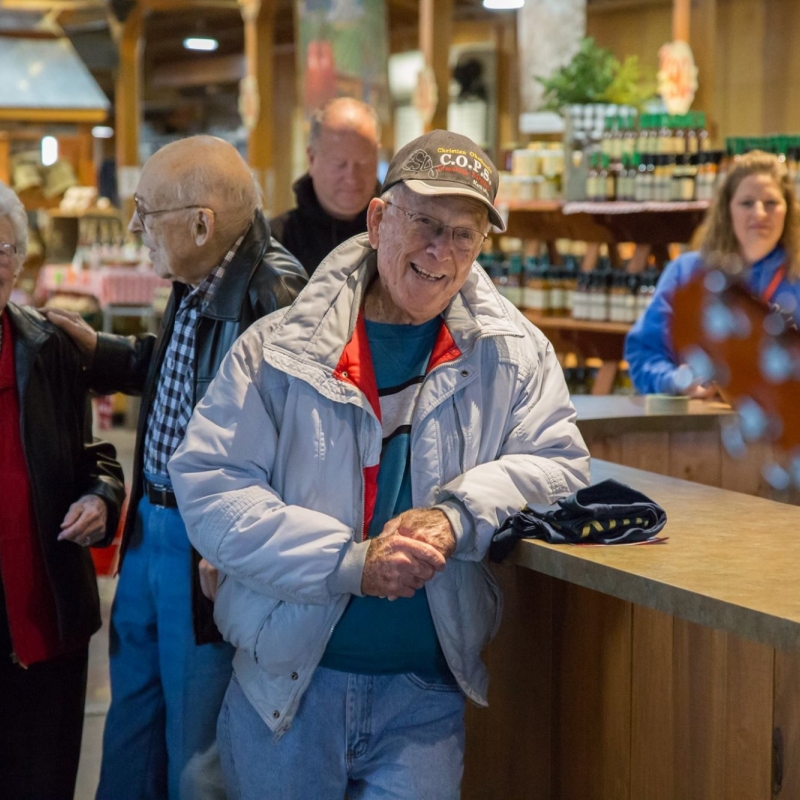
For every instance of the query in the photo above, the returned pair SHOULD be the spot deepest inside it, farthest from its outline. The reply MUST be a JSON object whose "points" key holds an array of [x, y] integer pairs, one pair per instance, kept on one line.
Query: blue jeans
{"points": [[372, 736], [166, 691]]}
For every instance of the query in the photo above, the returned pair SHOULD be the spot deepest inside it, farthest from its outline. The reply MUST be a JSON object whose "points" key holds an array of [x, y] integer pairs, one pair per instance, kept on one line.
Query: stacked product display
{"points": [[544, 289], [536, 174], [665, 158]]}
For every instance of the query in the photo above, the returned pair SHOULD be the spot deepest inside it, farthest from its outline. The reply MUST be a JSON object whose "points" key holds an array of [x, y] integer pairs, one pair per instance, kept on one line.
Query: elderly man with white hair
{"points": [[198, 213], [61, 493], [346, 471]]}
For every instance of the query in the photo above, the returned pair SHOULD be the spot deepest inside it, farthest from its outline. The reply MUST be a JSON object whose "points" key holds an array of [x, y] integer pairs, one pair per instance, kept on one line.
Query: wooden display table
{"points": [[655, 672]]}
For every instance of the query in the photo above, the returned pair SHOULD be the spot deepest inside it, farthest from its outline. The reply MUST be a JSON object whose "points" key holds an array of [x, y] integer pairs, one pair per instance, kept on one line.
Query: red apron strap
{"points": [[779, 275]]}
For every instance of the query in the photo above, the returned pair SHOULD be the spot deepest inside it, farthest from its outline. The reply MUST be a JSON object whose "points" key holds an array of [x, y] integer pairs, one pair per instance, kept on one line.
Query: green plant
{"points": [[595, 76], [630, 87]]}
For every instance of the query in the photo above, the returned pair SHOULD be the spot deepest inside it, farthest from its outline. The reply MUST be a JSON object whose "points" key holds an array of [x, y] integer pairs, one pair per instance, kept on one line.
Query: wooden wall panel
{"points": [[695, 456], [606, 448], [745, 51], [786, 722], [592, 695], [739, 76], [632, 31], [748, 728], [700, 669], [646, 450], [508, 745], [652, 706]]}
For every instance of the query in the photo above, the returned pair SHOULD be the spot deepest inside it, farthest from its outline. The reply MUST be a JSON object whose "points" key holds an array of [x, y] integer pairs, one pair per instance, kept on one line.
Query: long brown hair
{"points": [[719, 237]]}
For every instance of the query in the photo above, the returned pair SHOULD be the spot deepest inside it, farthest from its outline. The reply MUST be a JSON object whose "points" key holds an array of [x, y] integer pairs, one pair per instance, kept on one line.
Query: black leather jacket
{"points": [[261, 278], [63, 464]]}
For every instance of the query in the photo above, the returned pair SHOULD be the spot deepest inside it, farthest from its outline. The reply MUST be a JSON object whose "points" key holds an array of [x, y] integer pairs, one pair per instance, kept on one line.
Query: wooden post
{"points": [[435, 35], [128, 102], [259, 35], [703, 41], [85, 168], [681, 10]]}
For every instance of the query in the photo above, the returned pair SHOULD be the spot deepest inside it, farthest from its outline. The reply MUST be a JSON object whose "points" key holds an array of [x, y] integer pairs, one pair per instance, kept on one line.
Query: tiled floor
{"points": [[98, 693]]}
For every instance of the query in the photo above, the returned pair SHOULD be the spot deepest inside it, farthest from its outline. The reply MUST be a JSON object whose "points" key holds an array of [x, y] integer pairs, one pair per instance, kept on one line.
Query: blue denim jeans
{"points": [[391, 737], [159, 739]]}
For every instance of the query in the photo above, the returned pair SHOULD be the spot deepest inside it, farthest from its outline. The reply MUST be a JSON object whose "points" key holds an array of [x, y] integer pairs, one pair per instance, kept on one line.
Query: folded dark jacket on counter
{"points": [[605, 513]]}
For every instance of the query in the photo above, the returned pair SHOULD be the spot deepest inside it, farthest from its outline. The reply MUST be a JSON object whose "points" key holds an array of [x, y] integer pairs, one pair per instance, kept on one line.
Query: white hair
{"points": [[11, 207]]}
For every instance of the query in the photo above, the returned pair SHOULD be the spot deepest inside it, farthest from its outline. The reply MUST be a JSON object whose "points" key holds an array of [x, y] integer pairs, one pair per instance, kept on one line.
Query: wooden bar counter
{"points": [[689, 445], [652, 672]]}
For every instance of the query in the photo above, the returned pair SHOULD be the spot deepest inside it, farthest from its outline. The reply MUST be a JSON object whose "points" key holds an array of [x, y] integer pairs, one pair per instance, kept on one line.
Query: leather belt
{"points": [[160, 495]]}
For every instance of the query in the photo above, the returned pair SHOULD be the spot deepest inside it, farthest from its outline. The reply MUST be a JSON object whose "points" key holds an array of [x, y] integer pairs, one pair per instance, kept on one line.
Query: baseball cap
{"points": [[446, 163]]}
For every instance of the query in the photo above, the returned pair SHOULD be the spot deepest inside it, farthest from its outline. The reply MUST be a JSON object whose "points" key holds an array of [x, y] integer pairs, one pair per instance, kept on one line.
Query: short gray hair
{"points": [[319, 119], [11, 207]]}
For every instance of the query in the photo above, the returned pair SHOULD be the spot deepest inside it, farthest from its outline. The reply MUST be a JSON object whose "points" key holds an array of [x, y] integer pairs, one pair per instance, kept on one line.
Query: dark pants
{"points": [[41, 722]]}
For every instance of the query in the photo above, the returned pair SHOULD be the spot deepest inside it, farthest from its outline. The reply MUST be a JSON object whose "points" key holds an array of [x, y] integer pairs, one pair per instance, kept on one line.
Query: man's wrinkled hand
{"points": [[84, 336], [396, 566], [429, 525], [209, 579], [85, 523]]}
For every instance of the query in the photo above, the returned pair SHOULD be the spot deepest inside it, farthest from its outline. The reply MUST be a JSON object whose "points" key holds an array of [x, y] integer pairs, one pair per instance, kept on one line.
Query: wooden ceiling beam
{"points": [[180, 74], [53, 5], [189, 5]]}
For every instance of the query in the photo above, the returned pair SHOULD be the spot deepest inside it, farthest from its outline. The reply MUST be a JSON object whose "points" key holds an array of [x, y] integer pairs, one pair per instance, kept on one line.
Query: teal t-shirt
{"points": [[377, 636]]}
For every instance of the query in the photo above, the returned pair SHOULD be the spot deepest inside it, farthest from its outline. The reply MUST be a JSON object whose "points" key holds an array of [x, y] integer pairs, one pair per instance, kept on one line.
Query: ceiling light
{"points": [[102, 132], [201, 43], [503, 5], [49, 150]]}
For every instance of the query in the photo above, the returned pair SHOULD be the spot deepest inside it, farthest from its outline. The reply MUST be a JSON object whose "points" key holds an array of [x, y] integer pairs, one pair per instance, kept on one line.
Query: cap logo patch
{"points": [[420, 161]]}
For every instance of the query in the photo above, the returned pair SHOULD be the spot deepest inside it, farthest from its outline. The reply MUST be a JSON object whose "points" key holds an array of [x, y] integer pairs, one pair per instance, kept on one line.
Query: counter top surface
{"points": [[619, 413], [732, 561]]}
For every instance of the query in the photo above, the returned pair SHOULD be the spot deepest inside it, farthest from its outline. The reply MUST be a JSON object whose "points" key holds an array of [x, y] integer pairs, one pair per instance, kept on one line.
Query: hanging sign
{"points": [[249, 102], [677, 76], [342, 49], [426, 95]]}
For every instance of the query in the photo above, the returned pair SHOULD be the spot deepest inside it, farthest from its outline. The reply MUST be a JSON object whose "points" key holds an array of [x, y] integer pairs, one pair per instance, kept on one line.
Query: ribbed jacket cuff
{"points": [[347, 577]]}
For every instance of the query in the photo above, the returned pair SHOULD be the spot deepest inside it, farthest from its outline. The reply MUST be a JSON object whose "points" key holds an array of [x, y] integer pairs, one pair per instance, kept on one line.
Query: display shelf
{"points": [[570, 324], [589, 339], [641, 223]]}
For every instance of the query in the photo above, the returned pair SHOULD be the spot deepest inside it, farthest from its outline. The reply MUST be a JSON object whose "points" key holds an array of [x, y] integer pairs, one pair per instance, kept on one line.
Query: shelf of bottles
{"points": [[604, 299], [663, 159]]}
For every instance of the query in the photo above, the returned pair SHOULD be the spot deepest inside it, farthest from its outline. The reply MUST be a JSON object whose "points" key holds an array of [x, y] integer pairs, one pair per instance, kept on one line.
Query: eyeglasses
{"points": [[142, 214], [7, 252], [428, 228]]}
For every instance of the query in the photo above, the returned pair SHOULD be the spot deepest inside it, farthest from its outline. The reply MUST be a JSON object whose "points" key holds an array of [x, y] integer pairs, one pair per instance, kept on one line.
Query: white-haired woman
{"points": [[61, 492]]}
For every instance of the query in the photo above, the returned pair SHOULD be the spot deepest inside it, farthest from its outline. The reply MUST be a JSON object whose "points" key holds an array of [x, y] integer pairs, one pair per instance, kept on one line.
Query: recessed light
{"points": [[503, 5], [200, 43]]}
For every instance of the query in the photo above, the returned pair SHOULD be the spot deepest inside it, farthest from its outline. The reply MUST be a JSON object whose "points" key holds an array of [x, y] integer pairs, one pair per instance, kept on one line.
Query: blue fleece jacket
{"points": [[648, 346]]}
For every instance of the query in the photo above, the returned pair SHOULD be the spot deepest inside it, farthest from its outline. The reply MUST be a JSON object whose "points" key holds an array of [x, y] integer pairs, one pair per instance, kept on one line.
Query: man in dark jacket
{"points": [[197, 212], [332, 197]]}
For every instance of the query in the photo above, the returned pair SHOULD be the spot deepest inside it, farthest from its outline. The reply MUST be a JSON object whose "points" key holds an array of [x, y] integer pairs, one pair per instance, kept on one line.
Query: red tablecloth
{"points": [[132, 286]]}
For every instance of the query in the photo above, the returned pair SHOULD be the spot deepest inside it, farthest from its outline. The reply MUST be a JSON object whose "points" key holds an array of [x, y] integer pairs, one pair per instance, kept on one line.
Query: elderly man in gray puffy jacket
{"points": [[345, 473]]}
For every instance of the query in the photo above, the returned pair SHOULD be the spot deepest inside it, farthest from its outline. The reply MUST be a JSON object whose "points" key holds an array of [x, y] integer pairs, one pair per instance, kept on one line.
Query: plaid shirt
{"points": [[174, 399]]}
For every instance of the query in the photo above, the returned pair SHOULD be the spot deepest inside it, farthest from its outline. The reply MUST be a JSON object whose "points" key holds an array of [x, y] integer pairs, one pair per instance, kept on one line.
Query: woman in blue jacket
{"points": [[755, 217]]}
